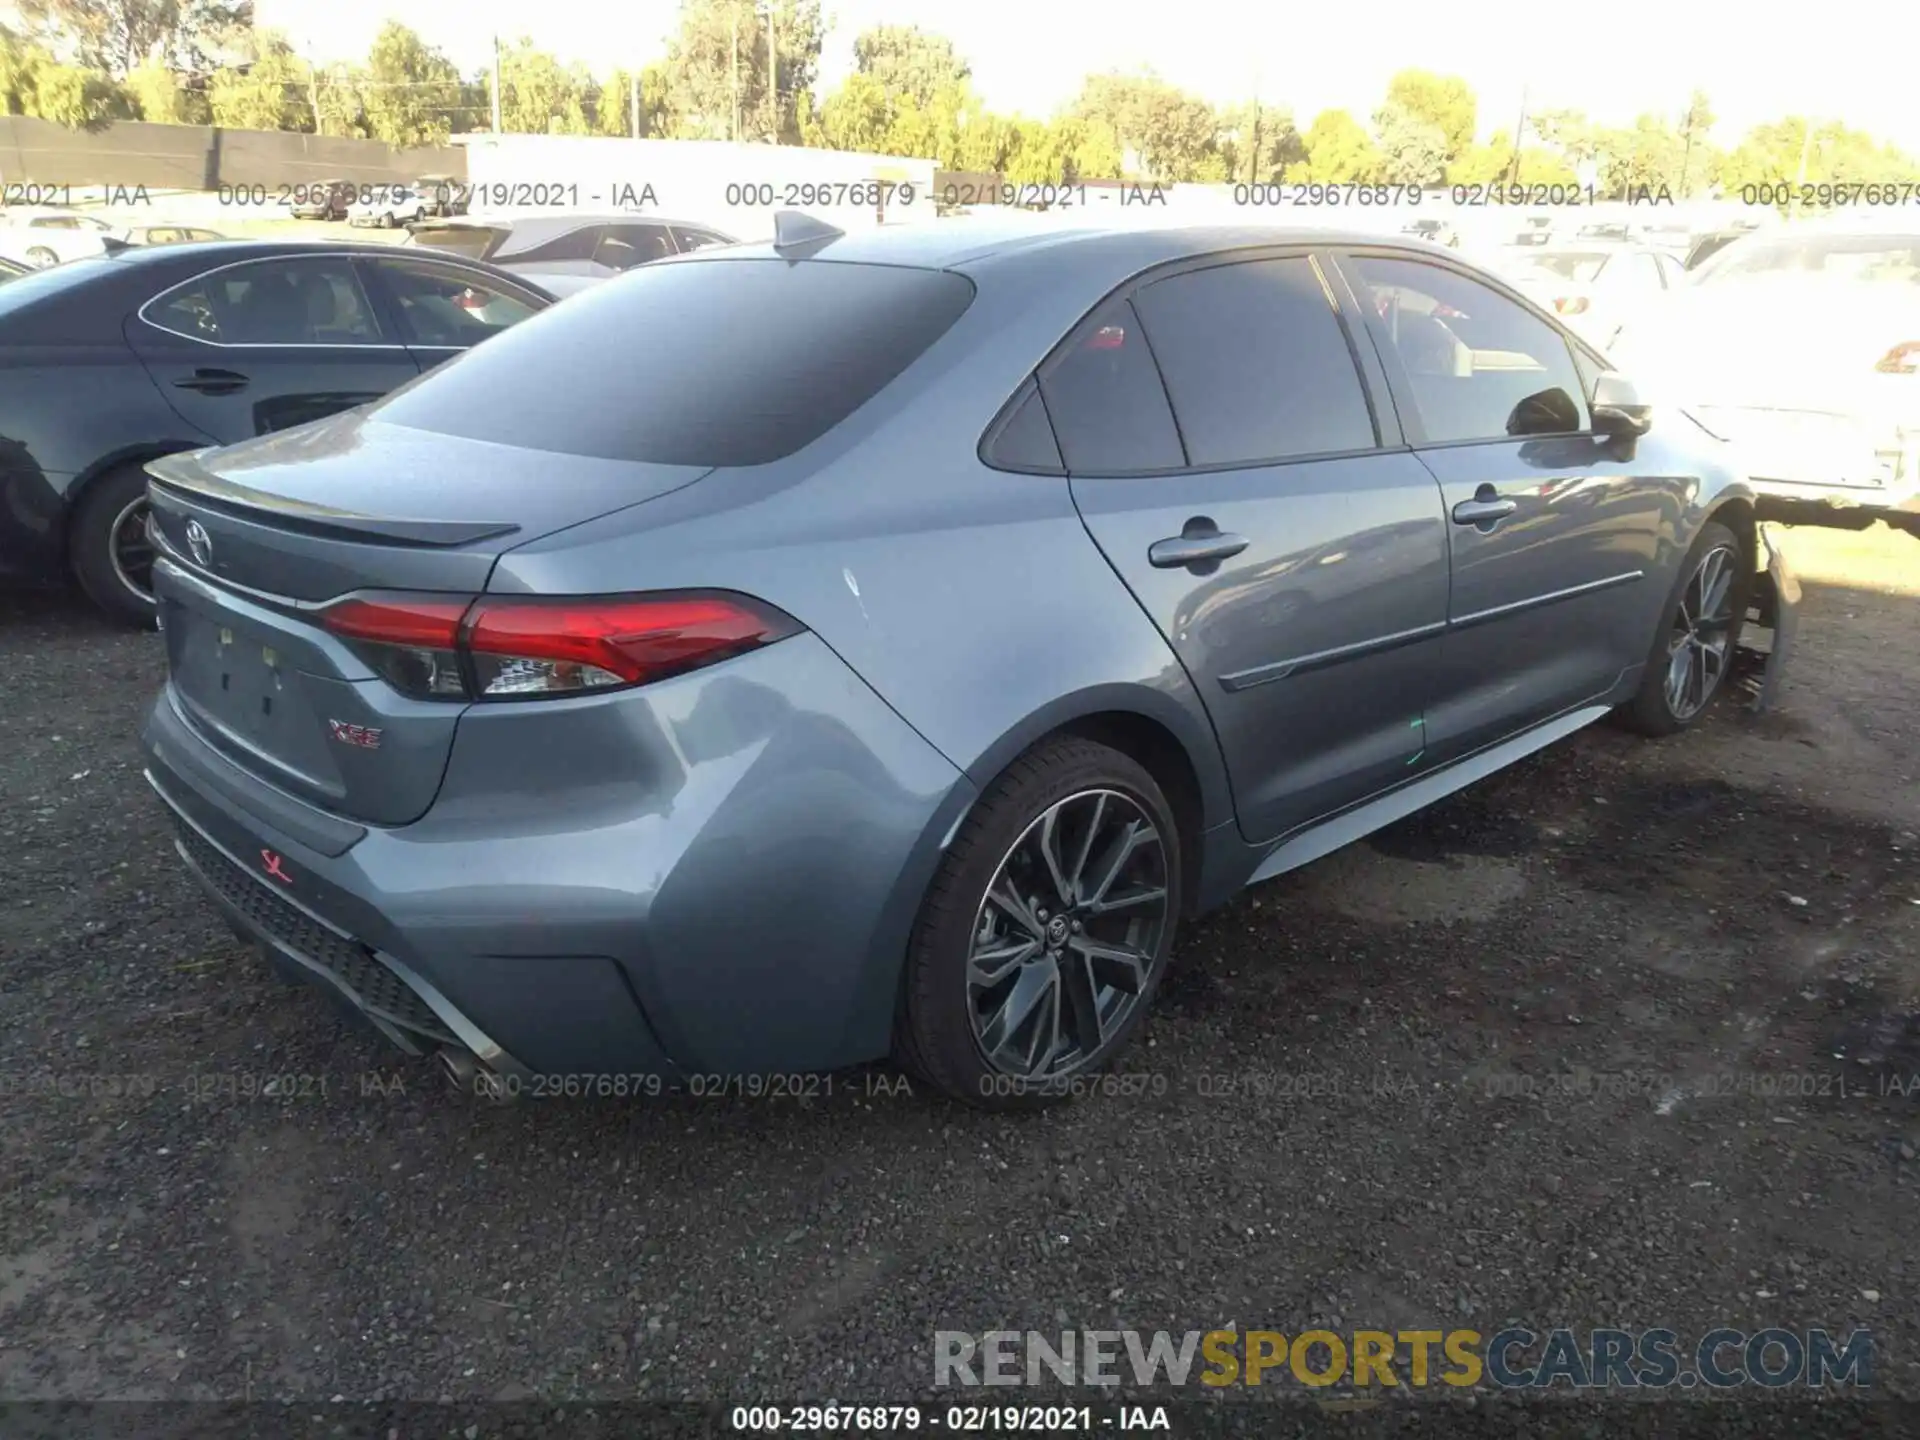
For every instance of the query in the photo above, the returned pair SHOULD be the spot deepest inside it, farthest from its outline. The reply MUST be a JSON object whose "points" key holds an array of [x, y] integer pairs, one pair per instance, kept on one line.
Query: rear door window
{"points": [[715, 362], [442, 306], [690, 238], [1478, 365], [1256, 364], [622, 247], [474, 242], [576, 244], [1103, 391], [312, 301]]}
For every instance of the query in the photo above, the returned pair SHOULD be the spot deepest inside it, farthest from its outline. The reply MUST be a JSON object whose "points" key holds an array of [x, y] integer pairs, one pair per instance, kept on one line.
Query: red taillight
{"points": [[1902, 359], [1571, 304], [1107, 337], [424, 621], [434, 647]]}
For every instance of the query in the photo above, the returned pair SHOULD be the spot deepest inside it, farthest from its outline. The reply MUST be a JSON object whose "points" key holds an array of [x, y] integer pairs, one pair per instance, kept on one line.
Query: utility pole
{"points": [[633, 90], [1519, 130], [496, 84], [773, 74], [734, 133], [313, 95]]}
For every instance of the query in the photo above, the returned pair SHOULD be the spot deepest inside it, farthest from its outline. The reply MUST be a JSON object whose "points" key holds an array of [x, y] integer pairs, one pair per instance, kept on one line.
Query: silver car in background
{"points": [[1595, 287], [566, 253], [1802, 345]]}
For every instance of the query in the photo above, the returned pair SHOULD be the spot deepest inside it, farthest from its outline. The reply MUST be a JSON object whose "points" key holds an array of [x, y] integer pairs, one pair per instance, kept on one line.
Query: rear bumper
{"points": [[717, 874]]}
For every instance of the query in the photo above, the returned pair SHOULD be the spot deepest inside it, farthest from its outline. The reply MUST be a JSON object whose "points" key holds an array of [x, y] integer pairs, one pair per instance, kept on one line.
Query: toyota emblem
{"points": [[200, 543]]}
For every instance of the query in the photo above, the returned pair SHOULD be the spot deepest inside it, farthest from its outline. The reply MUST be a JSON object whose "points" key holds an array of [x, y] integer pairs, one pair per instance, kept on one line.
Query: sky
{"points": [[1850, 60]]}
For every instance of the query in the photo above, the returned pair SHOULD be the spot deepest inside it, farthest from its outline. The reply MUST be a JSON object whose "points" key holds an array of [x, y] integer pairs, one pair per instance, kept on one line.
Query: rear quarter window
{"points": [[693, 362]]}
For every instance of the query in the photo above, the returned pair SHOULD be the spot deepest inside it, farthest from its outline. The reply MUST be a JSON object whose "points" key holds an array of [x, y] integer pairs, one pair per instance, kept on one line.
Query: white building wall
{"points": [[735, 187]]}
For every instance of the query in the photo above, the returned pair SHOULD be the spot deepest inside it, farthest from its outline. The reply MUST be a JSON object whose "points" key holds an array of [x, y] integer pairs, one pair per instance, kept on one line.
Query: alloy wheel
{"points": [[130, 550], [1700, 640], [1066, 939]]}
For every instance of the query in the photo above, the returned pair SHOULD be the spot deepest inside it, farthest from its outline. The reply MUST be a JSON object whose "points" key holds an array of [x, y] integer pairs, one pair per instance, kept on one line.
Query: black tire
{"points": [[935, 1034], [1652, 711], [104, 507]]}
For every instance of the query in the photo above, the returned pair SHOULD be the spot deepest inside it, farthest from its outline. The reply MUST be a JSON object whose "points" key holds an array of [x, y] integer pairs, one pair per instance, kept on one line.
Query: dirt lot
{"points": [[1536, 1055]]}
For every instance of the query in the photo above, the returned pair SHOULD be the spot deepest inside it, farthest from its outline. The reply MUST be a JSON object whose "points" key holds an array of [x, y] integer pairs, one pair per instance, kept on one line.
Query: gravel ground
{"points": [[1440, 1113]]}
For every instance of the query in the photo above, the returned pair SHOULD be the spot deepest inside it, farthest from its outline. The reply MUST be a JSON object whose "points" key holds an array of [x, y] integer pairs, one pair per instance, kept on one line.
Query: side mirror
{"points": [[1617, 407]]}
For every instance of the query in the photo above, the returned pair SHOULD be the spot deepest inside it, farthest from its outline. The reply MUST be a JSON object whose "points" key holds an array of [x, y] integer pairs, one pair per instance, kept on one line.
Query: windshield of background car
{"points": [[692, 362], [1577, 266], [476, 242], [1859, 259]]}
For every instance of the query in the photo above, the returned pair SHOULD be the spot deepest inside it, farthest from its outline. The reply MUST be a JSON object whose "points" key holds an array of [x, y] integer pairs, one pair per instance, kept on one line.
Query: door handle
{"points": [[1198, 544], [213, 382], [1485, 508]]}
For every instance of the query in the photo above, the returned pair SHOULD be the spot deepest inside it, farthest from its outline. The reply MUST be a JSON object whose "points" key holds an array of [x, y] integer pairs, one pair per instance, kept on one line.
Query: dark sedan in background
{"points": [[107, 363]]}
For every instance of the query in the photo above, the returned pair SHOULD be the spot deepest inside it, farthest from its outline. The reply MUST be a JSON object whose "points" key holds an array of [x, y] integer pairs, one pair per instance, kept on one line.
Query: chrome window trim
{"points": [[351, 257]]}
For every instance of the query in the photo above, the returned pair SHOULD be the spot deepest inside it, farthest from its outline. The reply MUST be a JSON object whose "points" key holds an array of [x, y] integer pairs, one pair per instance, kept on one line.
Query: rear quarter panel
{"points": [[972, 600]]}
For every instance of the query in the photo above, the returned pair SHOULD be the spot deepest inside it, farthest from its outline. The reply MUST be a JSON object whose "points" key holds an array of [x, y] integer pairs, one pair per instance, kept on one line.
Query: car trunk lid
{"points": [[258, 538]]}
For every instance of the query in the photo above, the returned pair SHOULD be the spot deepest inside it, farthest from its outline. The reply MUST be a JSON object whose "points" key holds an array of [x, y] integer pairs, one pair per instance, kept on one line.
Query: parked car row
{"points": [[41, 236], [384, 205]]}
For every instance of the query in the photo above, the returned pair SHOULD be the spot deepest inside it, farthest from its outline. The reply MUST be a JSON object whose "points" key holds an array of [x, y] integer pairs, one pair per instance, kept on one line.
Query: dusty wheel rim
{"points": [[130, 552], [1701, 636], [41, 258], [1065, 941]]}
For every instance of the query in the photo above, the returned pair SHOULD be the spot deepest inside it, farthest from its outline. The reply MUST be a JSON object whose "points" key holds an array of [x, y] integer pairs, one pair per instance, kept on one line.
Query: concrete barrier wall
{"points": [[198, 157]]}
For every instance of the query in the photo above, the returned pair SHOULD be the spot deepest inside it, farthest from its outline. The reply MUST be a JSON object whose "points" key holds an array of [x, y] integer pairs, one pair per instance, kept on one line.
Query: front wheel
{"points": [[1046, 930], [40, 257], [1693, 649]]}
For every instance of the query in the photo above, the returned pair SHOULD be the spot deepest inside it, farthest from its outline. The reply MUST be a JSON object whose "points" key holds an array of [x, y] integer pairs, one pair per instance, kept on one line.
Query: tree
{"points": [[538, 95], [412, 90], [116, 36], [1339, 151], [1413, 151], [909, 61], [1164, 133], [1442, 101], [270, 91], [717, 60], [1258, 143], [857, 116], [20, 64], [1646, 156], [1696, 159], [156, 93]]}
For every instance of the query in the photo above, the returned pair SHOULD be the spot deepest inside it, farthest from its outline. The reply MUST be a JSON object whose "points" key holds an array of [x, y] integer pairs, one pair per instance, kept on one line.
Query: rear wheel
{"points": [[1046, 930], [1693, 649], [111, 555], [40, 257]]}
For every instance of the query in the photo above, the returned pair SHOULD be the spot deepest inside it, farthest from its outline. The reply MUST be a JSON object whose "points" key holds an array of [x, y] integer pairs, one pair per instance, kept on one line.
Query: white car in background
{"points": [[566, 253], [388, 206], [40, 236], [1802, 346], [1596, 288]]}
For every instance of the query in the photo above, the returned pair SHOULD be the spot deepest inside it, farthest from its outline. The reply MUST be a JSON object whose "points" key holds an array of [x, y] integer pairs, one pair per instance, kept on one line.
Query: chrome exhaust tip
{"points": [[469, 1075]]}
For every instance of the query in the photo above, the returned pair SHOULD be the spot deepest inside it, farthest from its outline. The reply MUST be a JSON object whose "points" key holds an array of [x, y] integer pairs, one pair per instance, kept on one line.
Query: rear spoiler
{"points": [[187, 474]]}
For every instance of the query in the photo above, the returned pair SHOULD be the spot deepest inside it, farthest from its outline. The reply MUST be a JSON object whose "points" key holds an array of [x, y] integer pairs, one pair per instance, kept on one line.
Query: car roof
{"points": [[230, 249], [560, 224], [977, 243]]}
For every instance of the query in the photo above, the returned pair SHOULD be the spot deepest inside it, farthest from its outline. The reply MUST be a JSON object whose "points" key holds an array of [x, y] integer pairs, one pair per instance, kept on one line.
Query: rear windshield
{"points": [[476, 242], [1871, 259], [692, 362]]}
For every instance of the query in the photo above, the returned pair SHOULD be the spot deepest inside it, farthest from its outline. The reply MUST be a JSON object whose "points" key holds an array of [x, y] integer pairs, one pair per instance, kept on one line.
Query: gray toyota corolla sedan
{"points": [[795, 655]]}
